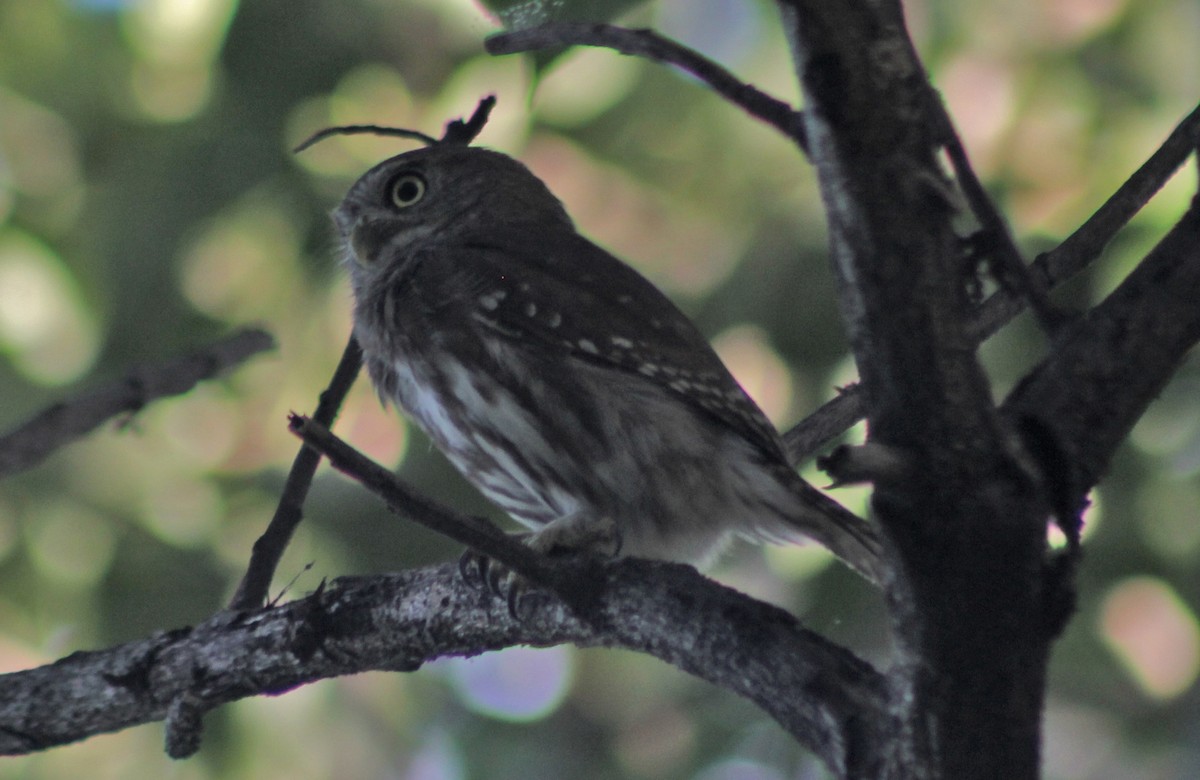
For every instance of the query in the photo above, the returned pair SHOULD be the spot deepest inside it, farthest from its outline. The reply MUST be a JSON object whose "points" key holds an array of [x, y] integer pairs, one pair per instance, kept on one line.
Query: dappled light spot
{"points": [[1154, 635], [68, 543], [1168, 515], [1079, 741], [45, 326], [680, 250], [980, 93], [1092, 517], [170, 94], [559, 100], [438, 758], [654, 744], [519, 684], [202, 428], [183, 512], [1067, 21], [249, 250], [176, 42], [379, 433], [372, 94], [758, 368], [39, 159]]}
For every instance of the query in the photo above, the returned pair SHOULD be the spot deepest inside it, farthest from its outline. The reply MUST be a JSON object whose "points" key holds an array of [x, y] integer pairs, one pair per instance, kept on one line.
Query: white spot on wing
{"points": [[588, 347], [492, 300]]}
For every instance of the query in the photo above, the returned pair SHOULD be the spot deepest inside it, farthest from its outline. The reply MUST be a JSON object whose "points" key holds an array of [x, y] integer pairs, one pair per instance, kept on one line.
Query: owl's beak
{"points": [[365, 237], [364, 244]]}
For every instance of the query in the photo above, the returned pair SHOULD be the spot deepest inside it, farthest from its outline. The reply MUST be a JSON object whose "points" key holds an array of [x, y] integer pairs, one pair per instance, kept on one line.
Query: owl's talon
{"points": [[496, 576], [521, 593], [481, 572], [471, 567]]}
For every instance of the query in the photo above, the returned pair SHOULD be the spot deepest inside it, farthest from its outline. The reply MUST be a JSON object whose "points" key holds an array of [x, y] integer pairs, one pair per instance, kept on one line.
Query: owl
{"points": [[559, 381]]}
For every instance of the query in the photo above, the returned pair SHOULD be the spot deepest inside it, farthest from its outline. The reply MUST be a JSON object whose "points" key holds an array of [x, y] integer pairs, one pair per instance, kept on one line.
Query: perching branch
{"points": [[826, 697], [652, 46], [66, 421]]}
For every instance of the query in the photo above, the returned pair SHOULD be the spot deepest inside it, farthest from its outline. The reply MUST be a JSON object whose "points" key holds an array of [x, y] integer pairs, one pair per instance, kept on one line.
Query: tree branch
{"points": [[1107, 368], [31, 443], [819, 692], [474, 532], [965, 534], [652, 46], [1050, 269], [268, 548]]}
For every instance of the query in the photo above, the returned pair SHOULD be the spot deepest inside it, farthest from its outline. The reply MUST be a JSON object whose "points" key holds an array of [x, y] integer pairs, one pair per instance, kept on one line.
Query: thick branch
{"points": [[30, 444], [1107, 368], [966, 533], [821, 693]]}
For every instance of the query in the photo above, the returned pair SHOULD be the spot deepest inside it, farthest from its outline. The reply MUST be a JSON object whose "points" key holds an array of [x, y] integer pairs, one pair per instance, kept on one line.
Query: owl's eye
{"points": [[406, 190]]}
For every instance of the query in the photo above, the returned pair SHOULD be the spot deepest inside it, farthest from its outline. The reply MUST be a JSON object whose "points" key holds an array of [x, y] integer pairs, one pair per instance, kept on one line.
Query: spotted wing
{"points": [[556, 289]]}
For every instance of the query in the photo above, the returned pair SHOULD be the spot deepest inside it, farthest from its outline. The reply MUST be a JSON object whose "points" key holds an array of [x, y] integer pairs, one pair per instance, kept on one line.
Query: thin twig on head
{"points": [[397, 132], [463, 132]]}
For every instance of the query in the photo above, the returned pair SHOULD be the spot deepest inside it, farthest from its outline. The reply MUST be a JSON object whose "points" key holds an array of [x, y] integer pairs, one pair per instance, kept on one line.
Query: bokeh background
{"points": [[149, 204]]}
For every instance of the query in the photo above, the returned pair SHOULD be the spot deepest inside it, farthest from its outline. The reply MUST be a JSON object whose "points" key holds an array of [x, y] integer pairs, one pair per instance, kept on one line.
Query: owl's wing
{"points": [[555, 288]]}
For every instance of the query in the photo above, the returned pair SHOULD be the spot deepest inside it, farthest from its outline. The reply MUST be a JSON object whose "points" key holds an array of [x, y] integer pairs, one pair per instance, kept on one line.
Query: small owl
{"points": [[559, 381]]}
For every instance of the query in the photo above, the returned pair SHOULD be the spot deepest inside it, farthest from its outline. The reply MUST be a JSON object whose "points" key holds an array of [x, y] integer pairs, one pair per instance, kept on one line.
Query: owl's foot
{"points": [[566, 536]]}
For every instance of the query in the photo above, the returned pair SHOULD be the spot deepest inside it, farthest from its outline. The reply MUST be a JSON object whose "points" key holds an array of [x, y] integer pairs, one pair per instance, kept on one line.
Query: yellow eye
{"points": [[406, 190]]}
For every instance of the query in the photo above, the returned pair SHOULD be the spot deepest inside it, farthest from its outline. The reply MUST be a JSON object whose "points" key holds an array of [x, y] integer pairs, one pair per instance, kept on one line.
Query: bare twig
{"points": [[830, 420], [268, 549], [1008, 265], [458, 131], [1051, 269], [395, 132], [1085, 244], [62, 423], [463, 132], [474, 532], [652, 46]]}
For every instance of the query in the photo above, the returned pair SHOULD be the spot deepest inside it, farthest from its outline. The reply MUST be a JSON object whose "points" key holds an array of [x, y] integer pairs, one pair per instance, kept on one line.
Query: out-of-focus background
{"points": [[149, 204]]}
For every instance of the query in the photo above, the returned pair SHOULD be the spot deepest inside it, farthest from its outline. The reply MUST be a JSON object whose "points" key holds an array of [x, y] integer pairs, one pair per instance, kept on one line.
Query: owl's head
{"points": [[437, 194]]}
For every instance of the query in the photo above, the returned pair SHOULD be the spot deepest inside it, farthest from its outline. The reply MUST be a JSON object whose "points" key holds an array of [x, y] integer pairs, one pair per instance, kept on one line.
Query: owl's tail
{"points": [[830, 524]]}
